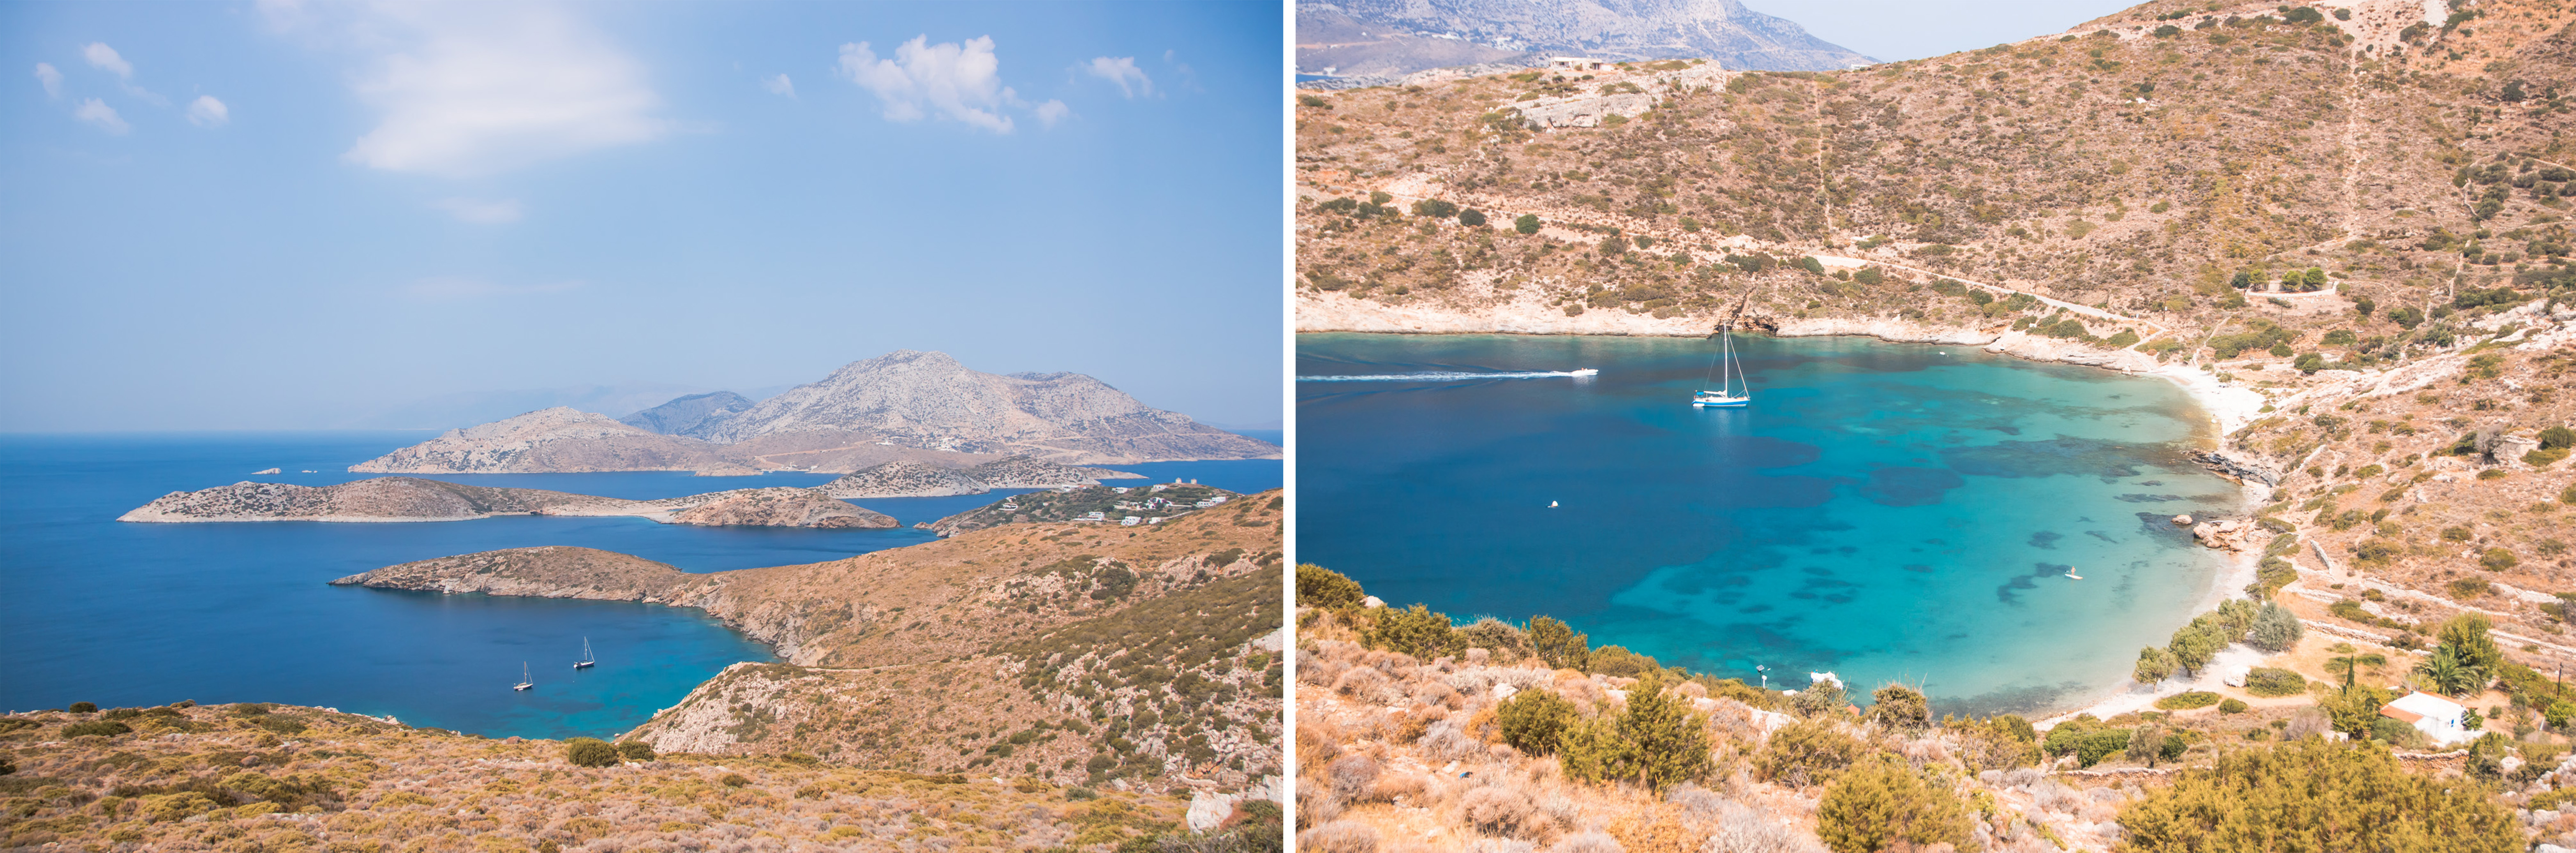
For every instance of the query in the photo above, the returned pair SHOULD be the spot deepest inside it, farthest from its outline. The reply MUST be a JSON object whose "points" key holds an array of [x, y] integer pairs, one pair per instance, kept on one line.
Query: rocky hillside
{"points": [[1388, 38], [688, 415], [272, 777], [1107, 505], [556, 440], [910, 479], [921, 658], [386, 499], [2173, 172]]}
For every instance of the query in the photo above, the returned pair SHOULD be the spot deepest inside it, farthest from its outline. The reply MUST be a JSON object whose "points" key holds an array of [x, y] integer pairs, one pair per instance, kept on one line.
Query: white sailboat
{"points": [[586, 659], [525, 683], [1725, 396]]}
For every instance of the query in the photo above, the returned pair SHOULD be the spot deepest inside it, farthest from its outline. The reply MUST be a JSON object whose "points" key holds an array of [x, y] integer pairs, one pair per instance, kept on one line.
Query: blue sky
{"points": [[1893, 30], [272, 215]]}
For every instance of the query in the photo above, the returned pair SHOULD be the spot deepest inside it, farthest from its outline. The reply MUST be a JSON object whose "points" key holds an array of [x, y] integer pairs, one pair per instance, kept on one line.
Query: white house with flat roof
{"points": [[2436, 717], [1575, 63]]}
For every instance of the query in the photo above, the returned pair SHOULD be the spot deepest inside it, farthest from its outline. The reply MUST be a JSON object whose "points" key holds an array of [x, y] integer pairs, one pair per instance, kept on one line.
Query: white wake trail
{"points": [[1452, 376]]}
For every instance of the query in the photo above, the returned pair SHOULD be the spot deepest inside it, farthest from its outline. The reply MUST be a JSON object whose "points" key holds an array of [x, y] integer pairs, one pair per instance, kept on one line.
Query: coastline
{"points": [[2228, 408]]}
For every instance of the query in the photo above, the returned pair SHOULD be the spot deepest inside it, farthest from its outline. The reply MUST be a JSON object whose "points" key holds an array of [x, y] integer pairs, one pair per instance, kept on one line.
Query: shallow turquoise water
{"points": [[1884, 511], [143, 614]]}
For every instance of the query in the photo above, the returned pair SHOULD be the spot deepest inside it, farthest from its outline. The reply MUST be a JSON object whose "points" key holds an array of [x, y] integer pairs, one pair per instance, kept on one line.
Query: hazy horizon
{"points": [[277, 216]]}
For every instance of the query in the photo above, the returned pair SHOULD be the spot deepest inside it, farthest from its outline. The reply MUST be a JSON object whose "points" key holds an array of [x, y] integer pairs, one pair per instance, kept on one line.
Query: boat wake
{"points": [[1454, 376]]}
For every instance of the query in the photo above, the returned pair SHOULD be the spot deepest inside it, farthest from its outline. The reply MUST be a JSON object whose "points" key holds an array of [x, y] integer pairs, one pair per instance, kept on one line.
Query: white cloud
{"points": [[474, 88], [779, 85], [956, 80], [481, 212], [99, 113], [1048, 113], [456, 288], [205, 111], [52, 77], [1122, 70], [103, 57]]}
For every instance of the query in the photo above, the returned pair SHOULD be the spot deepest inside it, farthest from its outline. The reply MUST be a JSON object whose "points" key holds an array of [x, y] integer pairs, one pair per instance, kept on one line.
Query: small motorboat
{"points": [[1551, 504], [1585, 371], [2073, 576]]}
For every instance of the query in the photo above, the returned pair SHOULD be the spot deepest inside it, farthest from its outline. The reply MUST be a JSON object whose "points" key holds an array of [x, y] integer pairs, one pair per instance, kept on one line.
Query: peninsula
{"points": [[910, 479], [384, 499]]}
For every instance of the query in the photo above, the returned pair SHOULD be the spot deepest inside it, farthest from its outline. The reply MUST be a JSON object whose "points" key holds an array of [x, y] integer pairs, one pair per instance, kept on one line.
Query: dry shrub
{"points": [[1367, 684], [1500, 845], [1479, 657], [1339, 836], [1742, 829], [1652, 832], [1587, 842], [1352, 776], [1496, 810], [1435, 693], [1318, 742], [1316, 805], [1448, 741], [1413, 787], [1318, 672], [2307, 721]]}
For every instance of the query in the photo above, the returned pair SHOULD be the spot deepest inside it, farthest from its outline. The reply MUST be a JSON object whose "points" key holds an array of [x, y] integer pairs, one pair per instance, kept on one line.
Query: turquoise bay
{"points": [[1889, 512]]}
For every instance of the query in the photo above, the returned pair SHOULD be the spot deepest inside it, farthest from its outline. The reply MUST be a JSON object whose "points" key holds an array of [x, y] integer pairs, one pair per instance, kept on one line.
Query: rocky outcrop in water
{"points": [[378, 499], [548, 572], [383, 499]]}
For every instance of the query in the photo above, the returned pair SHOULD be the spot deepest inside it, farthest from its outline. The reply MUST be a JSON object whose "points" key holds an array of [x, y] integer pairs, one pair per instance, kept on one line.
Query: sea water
{"points": [[1888, 512], [122, 614]]}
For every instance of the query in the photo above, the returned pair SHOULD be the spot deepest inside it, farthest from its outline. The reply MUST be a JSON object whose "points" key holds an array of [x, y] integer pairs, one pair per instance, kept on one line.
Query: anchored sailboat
{"points": [[586, 659], [525, 683], [1725, 396]]}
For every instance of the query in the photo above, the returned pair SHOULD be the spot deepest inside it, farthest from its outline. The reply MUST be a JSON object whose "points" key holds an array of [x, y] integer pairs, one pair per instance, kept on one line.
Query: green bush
{"points": [[2310, 790], [1659, 742], [83, 708], [103, 728], [1471, 217], [1415, 631], [1900, 707], [590, 752], [635, 750], [2233, 706], [2188, 700], [2270, 681], [1526, 224], [1557, 643], [1534, 721], [2497, 560], [1321, 587], [2275, 629], [1435, 208], [1807, 752], [1884, 802]]}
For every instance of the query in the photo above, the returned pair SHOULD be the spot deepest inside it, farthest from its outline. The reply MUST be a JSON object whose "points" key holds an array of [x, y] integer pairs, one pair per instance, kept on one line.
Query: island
{"points": [[394, 499]]}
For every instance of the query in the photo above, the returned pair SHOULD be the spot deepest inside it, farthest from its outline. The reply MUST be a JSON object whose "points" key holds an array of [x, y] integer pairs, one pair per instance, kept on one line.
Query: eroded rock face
{"points": [[691, 415]]}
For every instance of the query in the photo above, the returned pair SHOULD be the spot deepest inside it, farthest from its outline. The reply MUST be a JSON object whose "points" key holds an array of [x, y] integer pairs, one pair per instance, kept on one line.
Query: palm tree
{"points": [[2449, 675]]}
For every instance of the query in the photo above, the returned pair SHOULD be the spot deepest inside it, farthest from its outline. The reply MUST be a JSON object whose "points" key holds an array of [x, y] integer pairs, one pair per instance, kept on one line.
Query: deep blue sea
{"points": [[1884, 511], [119, 614]]}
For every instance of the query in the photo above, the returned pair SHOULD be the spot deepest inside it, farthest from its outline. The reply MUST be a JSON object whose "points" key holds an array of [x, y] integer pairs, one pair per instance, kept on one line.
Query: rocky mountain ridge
{"points": [[397, 499], [923, 407], [1386, 38]]}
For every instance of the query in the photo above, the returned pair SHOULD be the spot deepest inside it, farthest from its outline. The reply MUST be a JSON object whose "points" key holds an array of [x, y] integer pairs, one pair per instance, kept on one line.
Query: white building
{"points": [[1574, 63], [2436, 717]]}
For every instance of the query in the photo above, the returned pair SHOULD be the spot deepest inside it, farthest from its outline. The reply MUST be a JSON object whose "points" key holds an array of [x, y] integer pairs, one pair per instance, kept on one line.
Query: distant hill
{"points": [[1391, 38], [686, 415], [907, 405]]}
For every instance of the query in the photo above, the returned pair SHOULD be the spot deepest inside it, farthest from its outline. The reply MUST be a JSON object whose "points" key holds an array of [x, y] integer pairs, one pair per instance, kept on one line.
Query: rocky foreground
{"points": [[187, 777], [388, 499]]}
